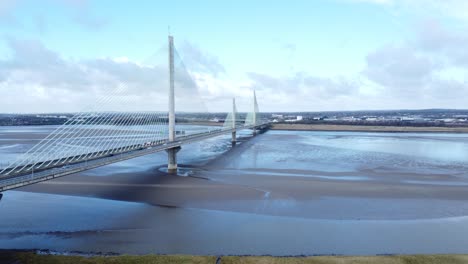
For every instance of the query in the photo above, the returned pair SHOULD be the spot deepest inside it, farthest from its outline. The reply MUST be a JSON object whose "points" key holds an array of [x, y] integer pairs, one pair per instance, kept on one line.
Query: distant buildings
{"points": [[430, 117], [282, 118]]}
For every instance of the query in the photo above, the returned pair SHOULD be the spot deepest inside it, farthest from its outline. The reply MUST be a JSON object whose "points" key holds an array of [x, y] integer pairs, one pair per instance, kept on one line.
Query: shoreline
{"points": [[358, 128]]}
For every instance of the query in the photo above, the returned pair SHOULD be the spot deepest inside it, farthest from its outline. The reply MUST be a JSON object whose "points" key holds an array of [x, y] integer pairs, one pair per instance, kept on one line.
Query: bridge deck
{"points": [[31, 175]]}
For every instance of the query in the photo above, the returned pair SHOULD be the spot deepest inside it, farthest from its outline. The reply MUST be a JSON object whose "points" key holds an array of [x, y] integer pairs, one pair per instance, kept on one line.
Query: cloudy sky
{"points": [[66, 55]]}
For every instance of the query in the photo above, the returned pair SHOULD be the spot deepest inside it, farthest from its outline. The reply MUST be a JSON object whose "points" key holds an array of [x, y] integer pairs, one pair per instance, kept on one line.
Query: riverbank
{"points": [[356, 128], [31, 257]]}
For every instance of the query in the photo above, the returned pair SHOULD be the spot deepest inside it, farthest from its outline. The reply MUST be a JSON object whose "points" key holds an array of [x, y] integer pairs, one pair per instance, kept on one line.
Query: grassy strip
{"points": [[419, 259], [30, 258]]}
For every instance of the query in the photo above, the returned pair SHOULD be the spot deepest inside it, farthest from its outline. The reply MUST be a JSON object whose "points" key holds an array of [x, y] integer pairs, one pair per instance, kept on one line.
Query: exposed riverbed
{"points": [[280, 193]]}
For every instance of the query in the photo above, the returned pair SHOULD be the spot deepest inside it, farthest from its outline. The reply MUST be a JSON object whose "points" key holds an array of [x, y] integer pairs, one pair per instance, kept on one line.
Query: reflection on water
{"points": [[279, 224]]}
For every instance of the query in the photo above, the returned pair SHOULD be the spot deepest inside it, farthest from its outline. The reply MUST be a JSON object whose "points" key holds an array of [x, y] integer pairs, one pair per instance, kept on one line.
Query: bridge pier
{"points": [[234, 113], [255, 110], [233, 139], [172, 160], [1, 196]]}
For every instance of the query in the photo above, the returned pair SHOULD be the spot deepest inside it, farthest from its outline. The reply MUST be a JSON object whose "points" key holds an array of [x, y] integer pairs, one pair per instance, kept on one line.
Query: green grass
{"points": [[420, 259], [32, 258]]}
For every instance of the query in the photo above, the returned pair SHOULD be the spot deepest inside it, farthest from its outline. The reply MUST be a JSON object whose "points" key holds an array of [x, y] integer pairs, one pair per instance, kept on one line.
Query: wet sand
{"points": [[297, 192]]}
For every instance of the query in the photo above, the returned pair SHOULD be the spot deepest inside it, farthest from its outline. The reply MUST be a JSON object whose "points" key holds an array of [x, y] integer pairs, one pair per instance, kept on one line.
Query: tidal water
{"points": [[419, 206]]}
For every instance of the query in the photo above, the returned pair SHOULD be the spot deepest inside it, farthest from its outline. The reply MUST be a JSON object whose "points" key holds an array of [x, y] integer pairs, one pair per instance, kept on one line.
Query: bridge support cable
{"points": [[231, 122], [104, 133], [108, 136], [50, 138], [159, 130], [156, 129], [121, 139], [189, 99], [84, 135], [112, 135], [136, 135], [26, 157], [81, 135], [99, 131], [39, 152], [72, 144], [252, 118], [125, 135], [65, 146], [62, 149], [136, 139], [255, 113], [98, 136], [139, 135]]}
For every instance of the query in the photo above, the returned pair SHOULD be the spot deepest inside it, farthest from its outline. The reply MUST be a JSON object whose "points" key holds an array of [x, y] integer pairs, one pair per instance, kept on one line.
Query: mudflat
{"points": [[296, 192], [307, 191]]}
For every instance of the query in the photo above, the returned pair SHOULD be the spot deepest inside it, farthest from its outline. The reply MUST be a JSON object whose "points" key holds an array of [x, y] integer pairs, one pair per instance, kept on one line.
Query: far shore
{"points": [[357, 128]]}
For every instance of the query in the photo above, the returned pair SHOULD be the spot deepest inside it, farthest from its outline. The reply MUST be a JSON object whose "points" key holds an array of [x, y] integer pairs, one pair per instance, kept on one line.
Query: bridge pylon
{"points": [[172, 152], [234, 113], [255, 112]]}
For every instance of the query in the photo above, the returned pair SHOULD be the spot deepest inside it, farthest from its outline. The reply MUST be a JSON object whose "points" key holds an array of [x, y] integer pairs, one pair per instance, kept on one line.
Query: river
{"points": [[279, 193]]}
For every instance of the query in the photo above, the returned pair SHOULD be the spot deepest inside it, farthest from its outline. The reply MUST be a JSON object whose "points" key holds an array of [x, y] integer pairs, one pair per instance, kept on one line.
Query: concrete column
{"points": [[254, 131], [172, 160], [171, 153], [255, 109], [233, 139], [171, 91]]}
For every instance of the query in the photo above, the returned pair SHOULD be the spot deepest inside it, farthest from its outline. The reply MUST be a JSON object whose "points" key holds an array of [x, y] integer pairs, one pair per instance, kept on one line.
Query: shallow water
{"points": [[93, 225], [274, 224], [352, 151]]}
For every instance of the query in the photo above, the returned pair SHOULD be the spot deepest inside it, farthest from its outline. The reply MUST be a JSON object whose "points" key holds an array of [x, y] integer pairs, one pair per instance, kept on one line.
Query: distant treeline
{"points": [[30, 121], [108, 119]]}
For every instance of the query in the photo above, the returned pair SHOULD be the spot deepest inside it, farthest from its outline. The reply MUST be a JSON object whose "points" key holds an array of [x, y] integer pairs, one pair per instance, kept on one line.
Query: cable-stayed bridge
{"points": [[91, 139]]}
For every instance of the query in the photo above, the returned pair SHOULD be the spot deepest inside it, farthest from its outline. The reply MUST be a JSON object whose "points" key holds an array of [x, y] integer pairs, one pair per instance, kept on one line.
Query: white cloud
{"points": [[428, 71], [38, 79]]}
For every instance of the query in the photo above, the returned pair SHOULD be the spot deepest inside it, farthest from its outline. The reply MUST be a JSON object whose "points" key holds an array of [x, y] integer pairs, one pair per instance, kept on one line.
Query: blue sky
{"points": [[298, 55]]}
